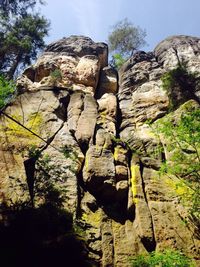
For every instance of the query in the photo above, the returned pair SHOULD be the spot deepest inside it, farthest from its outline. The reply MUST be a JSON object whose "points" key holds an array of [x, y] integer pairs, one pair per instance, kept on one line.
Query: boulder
{"points": [[67, 63]]}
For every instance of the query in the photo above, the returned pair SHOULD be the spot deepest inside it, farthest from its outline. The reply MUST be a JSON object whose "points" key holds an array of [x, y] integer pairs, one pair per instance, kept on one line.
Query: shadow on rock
{"points": [[40, 237]]}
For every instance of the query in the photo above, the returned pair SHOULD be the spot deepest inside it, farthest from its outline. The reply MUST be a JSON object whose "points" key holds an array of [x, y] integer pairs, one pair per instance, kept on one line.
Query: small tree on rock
{"points": [[124, 39]]}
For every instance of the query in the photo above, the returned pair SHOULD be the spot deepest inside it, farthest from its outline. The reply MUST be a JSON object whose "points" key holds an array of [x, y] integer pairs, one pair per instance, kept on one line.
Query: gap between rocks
{"points": [[150, 245]]}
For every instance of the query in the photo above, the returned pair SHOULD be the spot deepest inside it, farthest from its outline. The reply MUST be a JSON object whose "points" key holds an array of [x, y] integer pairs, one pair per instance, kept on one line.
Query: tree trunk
{"points": [[13, 68]]}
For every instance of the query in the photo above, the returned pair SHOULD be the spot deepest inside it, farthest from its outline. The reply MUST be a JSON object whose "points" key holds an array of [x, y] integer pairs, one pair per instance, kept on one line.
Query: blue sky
{"points": [[94, 18]]}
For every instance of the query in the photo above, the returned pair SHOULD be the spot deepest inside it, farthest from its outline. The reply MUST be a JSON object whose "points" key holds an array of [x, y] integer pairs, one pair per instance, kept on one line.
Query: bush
{"points": [[167, 258], [7, 89], [56, 76], [117, 61], [180, 85], [183, 142]]}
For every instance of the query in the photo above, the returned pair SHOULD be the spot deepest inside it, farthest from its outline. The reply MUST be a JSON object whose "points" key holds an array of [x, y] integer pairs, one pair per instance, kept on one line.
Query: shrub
{"points": [[117, 61], [56, 75], [180, 85], [183, 142], [167, 258]]}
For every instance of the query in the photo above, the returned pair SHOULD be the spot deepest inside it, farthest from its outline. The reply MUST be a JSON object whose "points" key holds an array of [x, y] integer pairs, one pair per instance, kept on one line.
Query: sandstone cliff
{"points": [[89, 138]]}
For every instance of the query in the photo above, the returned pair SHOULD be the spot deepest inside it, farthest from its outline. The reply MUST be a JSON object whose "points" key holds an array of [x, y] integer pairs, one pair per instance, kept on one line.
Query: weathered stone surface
{"points": [[68, 63], [99, 168], [143, 220], [87, 71], [125, 239], [121, 173], [179, 49], [92, 218], [98, 146], [87, 120], [107, 242], [107, 82], [107, 112], [80, 46], [42, 112], [121, 155]]}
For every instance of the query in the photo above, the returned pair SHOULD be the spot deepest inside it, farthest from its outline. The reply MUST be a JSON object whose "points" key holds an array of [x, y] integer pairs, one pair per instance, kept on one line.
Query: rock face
{"points": [[93, 140]]}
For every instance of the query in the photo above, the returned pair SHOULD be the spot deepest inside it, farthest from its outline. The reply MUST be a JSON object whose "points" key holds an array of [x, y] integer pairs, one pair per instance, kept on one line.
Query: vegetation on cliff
{"points": [[22, 32], [183, 141], [124, 40], [7, 88], [180, 85], [168, 258], [182, 135]]}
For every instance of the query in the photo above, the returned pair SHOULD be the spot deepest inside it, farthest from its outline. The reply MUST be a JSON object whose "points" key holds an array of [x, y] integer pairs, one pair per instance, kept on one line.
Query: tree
{"points": [[21, 35], [125, 38], [10, 7], [7, 89]]}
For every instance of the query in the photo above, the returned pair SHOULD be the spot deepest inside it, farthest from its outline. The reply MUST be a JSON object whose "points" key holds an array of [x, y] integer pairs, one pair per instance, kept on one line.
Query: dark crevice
{"points": [[43, 236], [163, 157], [97, 127], [118, 120], [96, 252], [29, 166], [131, 209], [113, 208], [177, 56], [61, 111], [81, 188], [149, 243], [141, 166], [84, 147]]}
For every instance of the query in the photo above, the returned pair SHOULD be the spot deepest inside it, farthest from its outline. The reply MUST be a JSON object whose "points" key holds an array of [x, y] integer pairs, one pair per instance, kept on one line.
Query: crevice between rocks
{"points": [[150, 245]]}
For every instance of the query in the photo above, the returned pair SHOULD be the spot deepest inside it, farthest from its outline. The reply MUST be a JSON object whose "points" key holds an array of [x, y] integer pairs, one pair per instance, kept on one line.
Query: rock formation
{"points": [[93, 140]]}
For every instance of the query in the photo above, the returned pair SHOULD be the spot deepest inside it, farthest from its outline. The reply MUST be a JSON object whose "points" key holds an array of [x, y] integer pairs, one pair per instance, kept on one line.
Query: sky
{"points": [[95, 18]]}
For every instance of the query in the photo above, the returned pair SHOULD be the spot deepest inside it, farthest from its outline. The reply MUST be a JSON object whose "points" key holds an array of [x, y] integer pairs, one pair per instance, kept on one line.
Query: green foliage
{"points": [[116, 140], [16, 7], [70, 153], [179, 84], [183, 142], [125, 38], [56, 76], [34, 152], [117, 61], [167, 258], [46, 186], [7, 89], [22, 35]]}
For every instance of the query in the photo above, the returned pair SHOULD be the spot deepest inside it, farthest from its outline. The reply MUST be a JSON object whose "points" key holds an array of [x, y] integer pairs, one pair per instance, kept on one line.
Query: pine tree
{"points": [[22, 33]]}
